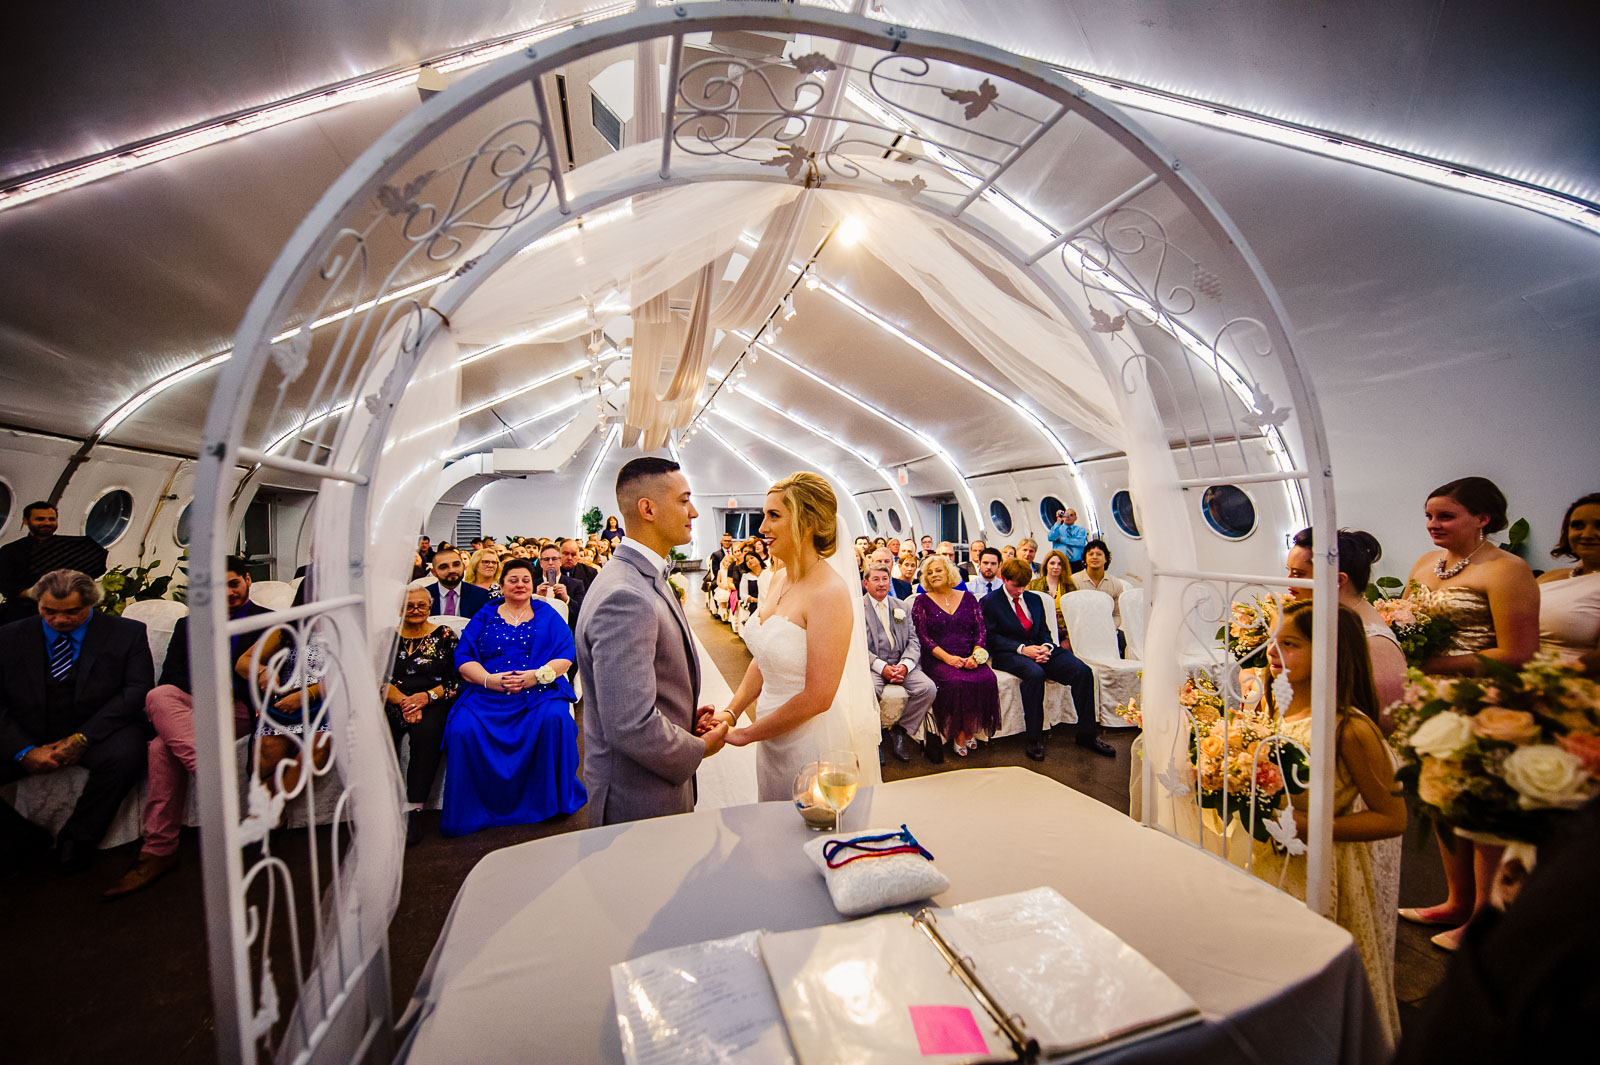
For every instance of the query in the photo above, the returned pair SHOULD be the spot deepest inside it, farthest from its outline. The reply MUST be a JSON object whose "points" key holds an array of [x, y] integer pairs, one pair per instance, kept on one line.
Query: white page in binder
{"points": [[707, 1002]]}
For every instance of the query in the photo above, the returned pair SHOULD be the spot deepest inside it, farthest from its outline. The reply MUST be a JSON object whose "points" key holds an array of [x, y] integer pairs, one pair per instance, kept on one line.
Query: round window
{"points": [[1001, 518], [872, 520], [5, 504], [1049, 507], [108, 518], [894, 519], [1122, 513], [181, 533], [1229, 511]]}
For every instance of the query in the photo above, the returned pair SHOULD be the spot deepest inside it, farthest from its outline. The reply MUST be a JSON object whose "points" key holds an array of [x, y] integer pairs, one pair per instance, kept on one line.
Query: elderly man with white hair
{"points": [[896, 654]]}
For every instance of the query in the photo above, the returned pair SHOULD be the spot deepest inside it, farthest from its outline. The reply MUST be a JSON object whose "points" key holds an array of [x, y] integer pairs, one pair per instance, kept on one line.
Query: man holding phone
{"points": [[1068, 537], [554, 584]]}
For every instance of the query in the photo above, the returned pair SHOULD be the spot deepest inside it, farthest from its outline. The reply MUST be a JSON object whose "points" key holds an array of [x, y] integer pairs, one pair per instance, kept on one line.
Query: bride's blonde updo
{"points": [[813, 509]]}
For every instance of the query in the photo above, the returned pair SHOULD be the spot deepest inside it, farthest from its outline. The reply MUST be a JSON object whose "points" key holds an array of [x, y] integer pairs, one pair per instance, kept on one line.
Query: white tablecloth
{"points": [[521, 972]]}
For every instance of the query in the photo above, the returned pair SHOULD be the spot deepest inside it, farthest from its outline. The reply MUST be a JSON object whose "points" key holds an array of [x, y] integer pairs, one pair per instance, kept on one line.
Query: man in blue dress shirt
{"points": [[1068, 537]]}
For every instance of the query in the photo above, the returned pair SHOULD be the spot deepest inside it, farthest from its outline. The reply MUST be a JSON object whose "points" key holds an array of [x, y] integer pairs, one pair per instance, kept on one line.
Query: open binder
{"points": [[1013, 978]]}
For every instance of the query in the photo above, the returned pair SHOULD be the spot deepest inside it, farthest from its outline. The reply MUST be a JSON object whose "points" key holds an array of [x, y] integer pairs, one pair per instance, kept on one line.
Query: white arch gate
{"points": [[1096, 223]]}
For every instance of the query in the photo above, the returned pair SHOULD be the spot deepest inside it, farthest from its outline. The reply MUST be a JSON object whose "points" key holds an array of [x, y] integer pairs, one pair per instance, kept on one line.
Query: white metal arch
{"points": [[343, 993]]}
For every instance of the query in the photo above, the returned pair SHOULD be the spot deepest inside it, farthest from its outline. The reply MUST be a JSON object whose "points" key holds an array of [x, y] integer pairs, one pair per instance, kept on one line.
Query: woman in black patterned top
{"points": [[421, 689]]}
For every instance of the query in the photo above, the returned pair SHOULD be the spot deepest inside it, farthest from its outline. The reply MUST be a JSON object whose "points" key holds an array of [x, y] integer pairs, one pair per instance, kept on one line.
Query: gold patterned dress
{"points": [[1366, 884], [1467, 607]]}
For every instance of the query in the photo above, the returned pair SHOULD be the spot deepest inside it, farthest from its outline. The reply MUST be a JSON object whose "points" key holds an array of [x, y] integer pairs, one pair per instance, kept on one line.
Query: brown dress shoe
{"points": [[147, 869]]}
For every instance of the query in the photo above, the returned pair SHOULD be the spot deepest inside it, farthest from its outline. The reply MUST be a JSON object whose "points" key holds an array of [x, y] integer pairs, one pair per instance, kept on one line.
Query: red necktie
{"points": [[1022, 615]]}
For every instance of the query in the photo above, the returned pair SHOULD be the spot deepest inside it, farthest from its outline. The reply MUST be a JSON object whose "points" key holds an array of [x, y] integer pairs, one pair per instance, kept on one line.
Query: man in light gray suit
{"points": [[896, 657], [641, 677]]}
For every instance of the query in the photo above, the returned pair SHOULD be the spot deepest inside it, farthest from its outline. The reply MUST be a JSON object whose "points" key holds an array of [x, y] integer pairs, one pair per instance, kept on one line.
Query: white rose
{"points": [[899, 615], [1442, 735], [1547, 776]]}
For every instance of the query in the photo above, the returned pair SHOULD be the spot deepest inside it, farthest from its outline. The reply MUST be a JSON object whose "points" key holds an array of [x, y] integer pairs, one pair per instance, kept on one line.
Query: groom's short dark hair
{"points": [[645, 468]]}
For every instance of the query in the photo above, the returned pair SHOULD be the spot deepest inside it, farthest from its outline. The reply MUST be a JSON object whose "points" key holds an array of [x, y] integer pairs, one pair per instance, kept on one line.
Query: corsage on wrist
{"points": [[545, 675], [980, 655]]}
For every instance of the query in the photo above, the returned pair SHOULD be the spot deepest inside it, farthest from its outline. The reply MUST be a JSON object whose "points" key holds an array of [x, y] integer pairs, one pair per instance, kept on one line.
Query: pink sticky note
{"points": [[947, 1030]]}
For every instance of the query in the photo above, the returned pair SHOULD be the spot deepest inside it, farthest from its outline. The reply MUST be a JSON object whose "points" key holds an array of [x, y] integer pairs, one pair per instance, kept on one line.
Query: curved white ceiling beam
{"points": [[861, 515], [911, 514], [922, 438], [766, 477], [1085, 497], [588, 478], [566, 404]]}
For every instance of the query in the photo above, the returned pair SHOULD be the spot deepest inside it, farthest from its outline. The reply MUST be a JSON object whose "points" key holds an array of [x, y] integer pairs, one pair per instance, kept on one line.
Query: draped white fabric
{"points": [[852, 721]]}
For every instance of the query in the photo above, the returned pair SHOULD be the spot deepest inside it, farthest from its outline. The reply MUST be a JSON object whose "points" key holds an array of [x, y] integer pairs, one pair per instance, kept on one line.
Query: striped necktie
{"points": [[61, 657]]}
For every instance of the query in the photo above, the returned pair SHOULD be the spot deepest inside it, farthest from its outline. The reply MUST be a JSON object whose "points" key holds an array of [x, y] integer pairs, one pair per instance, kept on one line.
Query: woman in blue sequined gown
{"points": [[511, 744]]}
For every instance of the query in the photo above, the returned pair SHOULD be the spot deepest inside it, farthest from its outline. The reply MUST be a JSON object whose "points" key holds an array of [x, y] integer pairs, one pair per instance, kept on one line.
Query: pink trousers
{"points": [[170, 758]]}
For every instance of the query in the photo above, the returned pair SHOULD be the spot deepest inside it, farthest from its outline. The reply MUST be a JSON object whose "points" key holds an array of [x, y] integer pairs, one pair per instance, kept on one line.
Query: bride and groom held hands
{"points": [[644, 734]]}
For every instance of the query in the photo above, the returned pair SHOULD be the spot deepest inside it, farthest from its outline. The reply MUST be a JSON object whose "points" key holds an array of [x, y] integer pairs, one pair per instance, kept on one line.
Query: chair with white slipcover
{"points": [[274, 595], [1094, 640]]}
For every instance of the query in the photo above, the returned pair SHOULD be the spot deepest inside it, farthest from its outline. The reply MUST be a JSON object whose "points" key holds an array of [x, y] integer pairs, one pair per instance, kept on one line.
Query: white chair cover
{"points": [[1094, 639], [1133, 615], [274, 595], [557, 605], [160, 617], [453, 621]]}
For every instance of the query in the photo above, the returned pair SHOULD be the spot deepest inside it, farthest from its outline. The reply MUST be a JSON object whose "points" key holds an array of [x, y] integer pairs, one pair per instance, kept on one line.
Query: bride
{"points": [[800, 640]]}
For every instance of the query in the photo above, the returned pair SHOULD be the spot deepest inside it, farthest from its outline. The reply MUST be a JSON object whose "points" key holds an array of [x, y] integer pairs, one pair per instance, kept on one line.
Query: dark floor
{"points": [[89, 981]]}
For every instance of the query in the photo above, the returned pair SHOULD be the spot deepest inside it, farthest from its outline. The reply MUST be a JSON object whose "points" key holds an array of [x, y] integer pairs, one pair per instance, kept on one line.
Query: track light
{"points": [[811, 281], [788, 307]]}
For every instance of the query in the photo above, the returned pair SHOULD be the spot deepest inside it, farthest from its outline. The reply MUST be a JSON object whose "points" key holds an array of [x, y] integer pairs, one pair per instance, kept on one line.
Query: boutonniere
{"points": [[899, 614]]}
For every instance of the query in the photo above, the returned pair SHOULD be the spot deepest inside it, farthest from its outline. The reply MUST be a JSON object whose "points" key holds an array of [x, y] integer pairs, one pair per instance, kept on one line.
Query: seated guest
{"points": [[893, 544], [974, 555], [1055, 582], [722, 593], [511, 741], [987, 577], [573, 565], [419, 568], [908, 574], [898, 588], [1068, 537], [1019, 643], [170, 757], [24, 561], [555, 584], [714, 562], [1028, 550], [453, 596], [949, 626], [483, 570], [1007, 553], [425, 549], [1096, 561], [72, 686], [896, 659], [750, 585], [925, 547], [1569, 597], [417, 701]]}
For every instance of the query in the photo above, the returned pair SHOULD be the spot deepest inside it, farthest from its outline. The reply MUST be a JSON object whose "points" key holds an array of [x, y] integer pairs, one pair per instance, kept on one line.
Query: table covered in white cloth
{"points": [[521, 971]]}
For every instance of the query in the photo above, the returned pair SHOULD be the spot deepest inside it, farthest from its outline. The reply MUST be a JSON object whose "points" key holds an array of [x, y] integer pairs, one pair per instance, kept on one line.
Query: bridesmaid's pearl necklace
{"points": [[1446, 572]]}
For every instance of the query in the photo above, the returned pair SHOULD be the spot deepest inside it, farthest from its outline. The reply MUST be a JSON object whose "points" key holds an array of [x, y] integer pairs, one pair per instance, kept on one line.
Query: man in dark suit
{"points": [[24, 561], [170, 757], [572, 567], [72, 687], [452, 595], [425, 550], [1019, 643], [985, 576], [714, 563], [556, 584]]}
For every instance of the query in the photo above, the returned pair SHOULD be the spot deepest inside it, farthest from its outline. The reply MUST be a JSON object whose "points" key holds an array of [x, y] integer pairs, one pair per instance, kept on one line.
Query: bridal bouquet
{"points": [[1240, 762], [1504, 754], [1250, 627], [1421, 635]]}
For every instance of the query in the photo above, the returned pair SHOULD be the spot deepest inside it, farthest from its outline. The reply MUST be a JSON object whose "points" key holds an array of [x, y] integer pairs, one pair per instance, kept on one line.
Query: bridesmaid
{"points": [[950, 629], [1493, 600], [1569, 604]]}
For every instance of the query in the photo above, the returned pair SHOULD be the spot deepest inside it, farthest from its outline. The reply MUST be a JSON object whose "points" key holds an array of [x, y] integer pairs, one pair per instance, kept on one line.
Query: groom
{"points": [[641, 677]]}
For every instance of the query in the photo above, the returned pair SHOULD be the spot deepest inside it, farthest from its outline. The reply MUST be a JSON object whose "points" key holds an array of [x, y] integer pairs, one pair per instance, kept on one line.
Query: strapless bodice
{"points": [[779, 647], [1467, 608]]}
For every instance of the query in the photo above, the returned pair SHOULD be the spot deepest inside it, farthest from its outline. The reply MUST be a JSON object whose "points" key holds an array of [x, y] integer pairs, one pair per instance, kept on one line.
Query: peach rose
{"points": [[1269, 778], [1440, 781], [1506, 726], [1211, 746]]}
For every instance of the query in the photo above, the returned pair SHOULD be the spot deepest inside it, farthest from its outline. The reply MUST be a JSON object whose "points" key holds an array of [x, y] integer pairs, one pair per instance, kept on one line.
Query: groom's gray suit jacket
{"points": [[641, 684]]}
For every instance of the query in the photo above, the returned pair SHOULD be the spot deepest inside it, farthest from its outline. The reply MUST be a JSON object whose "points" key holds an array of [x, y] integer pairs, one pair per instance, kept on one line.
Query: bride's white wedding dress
{"points": [[779, 648]]}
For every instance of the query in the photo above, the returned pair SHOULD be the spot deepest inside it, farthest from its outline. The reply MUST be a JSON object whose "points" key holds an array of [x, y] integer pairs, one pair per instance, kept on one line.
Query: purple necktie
{"points": [[450, 602]]}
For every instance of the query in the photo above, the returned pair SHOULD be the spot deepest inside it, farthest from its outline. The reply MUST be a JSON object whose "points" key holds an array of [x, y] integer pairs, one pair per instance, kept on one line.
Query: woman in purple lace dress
{"points": [[950, 629]]}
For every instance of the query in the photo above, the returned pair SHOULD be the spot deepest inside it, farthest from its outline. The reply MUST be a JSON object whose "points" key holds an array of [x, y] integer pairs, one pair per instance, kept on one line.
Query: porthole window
{"points": [[181, 533], [108, 518], [872, 520], [894, 519], [1001, 516], [1122, 513], [6, 500], [1049, 507], [1229, 510]]}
